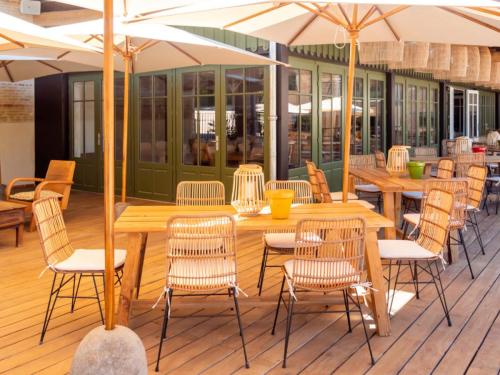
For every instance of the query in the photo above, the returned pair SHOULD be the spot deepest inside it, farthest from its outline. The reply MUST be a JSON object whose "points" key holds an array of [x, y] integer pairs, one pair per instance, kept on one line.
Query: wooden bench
{"points": [[12, 216]]}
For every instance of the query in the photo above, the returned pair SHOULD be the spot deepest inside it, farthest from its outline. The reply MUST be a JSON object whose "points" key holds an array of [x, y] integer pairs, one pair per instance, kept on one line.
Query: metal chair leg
{"points": [[168, 301], [75, 292], [98, 299], [395, 286], [462, 241], [440, 290], [237, 308], [50, 305], [366, 331], [288, 326], [347, 309], [263, 269], [278, 307], [475, 225]]}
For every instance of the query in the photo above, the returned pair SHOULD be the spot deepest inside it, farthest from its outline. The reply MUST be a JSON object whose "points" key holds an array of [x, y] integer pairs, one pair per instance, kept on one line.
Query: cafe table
{"points": [[434, 160], [391, 188], [136, 221]]}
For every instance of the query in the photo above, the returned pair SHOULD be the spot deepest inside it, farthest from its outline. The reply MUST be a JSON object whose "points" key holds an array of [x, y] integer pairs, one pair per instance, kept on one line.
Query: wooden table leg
{"points": [[375, 275], [397, 209], [19, 234], [129, 277], [390, 233]]}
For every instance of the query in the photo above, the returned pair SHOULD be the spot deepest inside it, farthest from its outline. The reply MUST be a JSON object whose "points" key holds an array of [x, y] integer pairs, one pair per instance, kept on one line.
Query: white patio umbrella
{"points": [[151, 47], [474, 22]]}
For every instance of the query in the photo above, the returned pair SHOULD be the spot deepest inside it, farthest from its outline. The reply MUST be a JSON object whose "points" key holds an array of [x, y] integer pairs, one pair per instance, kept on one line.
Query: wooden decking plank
{"points": [[487, 358]]}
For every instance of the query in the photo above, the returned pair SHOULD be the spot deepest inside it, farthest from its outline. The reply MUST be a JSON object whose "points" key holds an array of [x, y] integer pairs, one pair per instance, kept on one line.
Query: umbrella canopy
{"points": [[324, 22], [149, 43]]}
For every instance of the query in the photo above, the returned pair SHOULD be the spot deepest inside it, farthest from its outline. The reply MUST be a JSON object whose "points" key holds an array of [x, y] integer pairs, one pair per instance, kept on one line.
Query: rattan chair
{"points": [[445, 170], [282, 241], [457, 222], [434, 226], [328, 257], [369, 161], [64, 261], [200, 193], [476, 177], [465, 160], [201, 260]]}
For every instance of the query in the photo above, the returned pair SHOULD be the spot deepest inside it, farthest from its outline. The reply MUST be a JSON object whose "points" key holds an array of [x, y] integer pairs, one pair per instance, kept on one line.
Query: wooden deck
{"points": [[421, 342]]}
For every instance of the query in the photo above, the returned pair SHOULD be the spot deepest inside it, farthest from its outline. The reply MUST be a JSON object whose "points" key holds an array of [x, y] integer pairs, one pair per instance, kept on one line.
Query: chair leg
{"points": [[50, 305], [379, 202], [440, 290], [263, 269], [75, 292], [498, 201], [141, 264], [462, 241], [450, 254], [32, 226], [395, 286], [288, 326], [168, 302], [475, 226], [347, 309], [364, 328], [237, 308], [405, 228], [98, 299], [278, 306], [414, 277]]}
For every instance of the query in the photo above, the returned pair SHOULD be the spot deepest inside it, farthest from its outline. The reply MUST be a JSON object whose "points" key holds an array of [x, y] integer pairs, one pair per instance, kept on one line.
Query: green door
{"points": [[153, 136], [85, 130], [198, 124]]}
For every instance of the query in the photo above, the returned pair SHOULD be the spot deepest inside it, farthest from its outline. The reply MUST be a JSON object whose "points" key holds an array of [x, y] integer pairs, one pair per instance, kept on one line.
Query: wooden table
{"points": [[391, 188], [137, 220], [12, 216], [434, 160]]}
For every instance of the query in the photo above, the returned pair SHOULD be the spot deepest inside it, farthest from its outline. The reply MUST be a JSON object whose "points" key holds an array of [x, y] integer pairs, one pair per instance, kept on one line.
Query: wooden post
{"points": [[353, 35], [109, 165], [126, 61]]}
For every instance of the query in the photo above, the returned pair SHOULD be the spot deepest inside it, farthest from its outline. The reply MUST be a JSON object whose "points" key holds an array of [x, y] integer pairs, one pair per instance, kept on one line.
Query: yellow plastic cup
{"points": [[280, 202]]}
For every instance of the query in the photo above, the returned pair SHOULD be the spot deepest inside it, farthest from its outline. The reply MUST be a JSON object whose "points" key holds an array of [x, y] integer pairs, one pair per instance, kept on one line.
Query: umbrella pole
{"points": [[126, 60], [109, 166], [353, 36]]}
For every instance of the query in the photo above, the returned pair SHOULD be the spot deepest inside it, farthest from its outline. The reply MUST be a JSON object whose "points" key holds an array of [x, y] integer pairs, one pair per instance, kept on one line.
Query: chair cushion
{"points": [[29, 195], [285, 240], [403, 249], [494, 179], [337, 196], [334, 270], [412, 218], [89, 260], [368, 188], [203, 273], [417, 195]]}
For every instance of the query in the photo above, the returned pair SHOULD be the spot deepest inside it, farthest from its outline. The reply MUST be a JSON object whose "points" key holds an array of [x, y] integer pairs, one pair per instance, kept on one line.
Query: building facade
{"points": [[200, 123]]}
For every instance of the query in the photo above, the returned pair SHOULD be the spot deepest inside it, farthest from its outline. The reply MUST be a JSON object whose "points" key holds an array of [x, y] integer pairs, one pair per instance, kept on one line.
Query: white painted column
{"points": [[272, 115]]}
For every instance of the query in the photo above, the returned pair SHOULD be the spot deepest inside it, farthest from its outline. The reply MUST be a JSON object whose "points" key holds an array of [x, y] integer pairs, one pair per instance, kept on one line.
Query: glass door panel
{"points": [[358, 103], [376, 115]]}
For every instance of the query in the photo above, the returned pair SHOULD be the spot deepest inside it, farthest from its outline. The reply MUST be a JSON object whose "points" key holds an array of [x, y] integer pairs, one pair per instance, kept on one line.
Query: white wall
{"points": [[17, 130]]}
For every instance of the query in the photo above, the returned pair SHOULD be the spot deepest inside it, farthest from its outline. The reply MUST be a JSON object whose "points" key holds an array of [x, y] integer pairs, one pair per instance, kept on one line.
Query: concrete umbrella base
{"points": [[119, 351]]}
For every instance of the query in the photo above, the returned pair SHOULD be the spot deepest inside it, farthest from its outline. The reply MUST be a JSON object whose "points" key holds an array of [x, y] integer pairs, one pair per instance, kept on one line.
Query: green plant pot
{"points": [[416, 169]]}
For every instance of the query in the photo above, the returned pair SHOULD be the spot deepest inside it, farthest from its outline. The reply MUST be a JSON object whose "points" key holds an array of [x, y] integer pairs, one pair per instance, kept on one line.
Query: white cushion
{"points": [[337, 196], [30, 195], [89, 260], [471, 208], [417, 195], [286, 240], [494, 179], [360, 201], [368, 188], [338, 271], [403, 249], [206, 272], [412, 218]]}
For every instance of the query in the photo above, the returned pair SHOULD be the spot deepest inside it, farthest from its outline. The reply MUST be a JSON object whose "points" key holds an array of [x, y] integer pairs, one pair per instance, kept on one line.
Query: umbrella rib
{"points": [[486, 11], [7, 71], [150, 43], [368, 14], [306, 25], [396, 35], [385, 15], [184, 52], [251, 16], [329, 17], [344, 13], [471, 19], [50, 66], [12, 40]]}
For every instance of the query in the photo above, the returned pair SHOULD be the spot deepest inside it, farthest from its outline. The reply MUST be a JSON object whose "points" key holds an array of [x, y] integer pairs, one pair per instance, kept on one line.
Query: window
{"points": [[299, 117], [83, 119], [473, 113], [331, 117], [399, 116], [434, 110], [412, 115], [422, 115], [486, 112], [358, 104], [376, 124], [153, 118], [244, 116], [198, 118]]}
